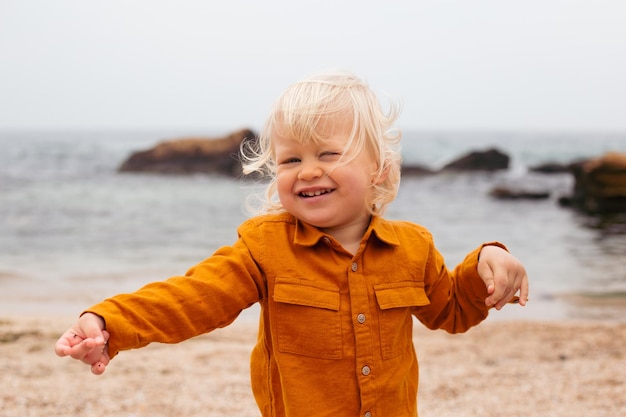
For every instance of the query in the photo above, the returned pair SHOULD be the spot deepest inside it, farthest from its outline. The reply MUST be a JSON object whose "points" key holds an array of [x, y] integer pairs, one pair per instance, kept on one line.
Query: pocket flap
{"points": [[402, 294], [306, 295]]}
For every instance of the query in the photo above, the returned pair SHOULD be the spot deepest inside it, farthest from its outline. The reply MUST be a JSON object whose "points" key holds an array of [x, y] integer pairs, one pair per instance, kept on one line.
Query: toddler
{"points": [[338, 284]]}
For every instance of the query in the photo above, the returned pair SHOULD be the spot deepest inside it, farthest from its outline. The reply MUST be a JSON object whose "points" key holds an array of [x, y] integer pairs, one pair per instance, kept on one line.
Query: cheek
{"points": [[361, 187], [283, 184], [357, 179]]}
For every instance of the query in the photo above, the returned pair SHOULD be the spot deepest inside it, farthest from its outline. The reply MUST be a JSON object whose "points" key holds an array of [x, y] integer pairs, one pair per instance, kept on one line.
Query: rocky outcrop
{"points": [[221, 155], [512, 193], [551, 168], [489, 160], [416, 170], [191, 155], [599, 185]]}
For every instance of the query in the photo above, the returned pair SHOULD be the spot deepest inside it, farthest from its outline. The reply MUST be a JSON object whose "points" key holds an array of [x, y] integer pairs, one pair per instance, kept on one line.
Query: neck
{"points": [[349, 236]]}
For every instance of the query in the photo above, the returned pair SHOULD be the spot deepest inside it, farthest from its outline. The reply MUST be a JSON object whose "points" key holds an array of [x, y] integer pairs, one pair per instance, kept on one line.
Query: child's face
{"points": [[316, 186]]}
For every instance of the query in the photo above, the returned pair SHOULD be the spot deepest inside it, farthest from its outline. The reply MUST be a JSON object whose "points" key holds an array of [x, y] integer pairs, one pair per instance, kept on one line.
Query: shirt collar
{"points": [[383, 230], [307, 235]]}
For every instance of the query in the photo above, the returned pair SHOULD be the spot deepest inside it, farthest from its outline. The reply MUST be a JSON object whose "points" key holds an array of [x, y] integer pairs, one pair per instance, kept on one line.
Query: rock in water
{"points": [[600, 184], [489, 160], [191, 155]]}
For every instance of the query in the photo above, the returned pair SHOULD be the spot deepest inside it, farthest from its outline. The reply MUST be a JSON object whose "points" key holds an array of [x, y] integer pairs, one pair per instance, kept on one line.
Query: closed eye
{"points": [[330, 156], [292, 160]]}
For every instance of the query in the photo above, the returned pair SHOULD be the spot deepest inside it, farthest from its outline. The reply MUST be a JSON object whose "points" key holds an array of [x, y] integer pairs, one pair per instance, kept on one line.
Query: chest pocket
{"points": [[306, 319], [395, 301]]}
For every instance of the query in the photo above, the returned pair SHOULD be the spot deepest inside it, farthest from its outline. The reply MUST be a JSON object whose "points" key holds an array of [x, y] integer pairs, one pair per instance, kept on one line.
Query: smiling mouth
{"points": [[316, 193]]}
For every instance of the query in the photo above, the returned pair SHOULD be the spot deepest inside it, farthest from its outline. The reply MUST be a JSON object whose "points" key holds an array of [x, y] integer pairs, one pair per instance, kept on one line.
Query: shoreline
{"points": [[564, 307], [573, 368], [28, 294]]}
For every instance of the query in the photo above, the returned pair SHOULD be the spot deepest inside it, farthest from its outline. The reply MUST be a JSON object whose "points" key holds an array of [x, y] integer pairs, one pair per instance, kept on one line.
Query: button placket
{"points": [[360, 308]]}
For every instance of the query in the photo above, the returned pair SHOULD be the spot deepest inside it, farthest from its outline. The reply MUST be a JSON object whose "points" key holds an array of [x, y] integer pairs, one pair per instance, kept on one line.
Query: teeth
{"points": [[314, 193]]}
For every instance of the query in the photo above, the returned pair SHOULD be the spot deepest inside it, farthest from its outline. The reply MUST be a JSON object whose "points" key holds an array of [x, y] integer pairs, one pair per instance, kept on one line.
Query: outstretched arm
{"points": [[503, 275], [86, 341]]}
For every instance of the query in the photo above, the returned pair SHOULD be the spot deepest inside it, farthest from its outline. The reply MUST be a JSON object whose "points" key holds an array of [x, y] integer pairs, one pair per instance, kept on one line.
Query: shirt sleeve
{"points": [[457, 297], [209, 296]]}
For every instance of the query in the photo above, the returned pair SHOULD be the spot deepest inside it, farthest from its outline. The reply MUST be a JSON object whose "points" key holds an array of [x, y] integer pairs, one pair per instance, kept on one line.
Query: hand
{"points": [[503, 275], [86, 341]]}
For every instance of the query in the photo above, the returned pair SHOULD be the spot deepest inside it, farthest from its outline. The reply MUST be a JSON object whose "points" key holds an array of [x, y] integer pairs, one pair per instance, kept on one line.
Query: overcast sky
{"points": [[218, 65]]}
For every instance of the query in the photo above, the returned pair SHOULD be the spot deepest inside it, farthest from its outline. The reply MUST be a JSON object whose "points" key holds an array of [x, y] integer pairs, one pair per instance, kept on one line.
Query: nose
{"points": [[310, 170]]}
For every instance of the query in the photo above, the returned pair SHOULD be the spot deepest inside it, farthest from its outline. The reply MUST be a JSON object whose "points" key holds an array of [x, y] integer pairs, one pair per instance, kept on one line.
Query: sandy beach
{"points": [[513, 368]]}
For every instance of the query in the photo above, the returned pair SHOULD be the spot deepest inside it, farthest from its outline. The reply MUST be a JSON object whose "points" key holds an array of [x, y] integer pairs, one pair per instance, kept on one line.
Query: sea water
{"points": [[74, 231]]}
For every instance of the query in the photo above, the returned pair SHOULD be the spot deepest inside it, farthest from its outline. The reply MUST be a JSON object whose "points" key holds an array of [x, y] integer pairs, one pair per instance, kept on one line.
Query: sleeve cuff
{"points": [[498, 244]]}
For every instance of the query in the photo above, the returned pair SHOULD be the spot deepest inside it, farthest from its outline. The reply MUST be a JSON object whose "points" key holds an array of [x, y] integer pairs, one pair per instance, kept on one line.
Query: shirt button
{"points": [[326, 240], [366, 370], [367, 414], [354, 267], [360, 318]]}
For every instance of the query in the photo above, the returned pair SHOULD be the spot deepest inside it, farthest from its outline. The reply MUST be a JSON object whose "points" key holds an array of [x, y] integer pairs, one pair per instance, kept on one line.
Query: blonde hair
{"points": [[297, 114]]}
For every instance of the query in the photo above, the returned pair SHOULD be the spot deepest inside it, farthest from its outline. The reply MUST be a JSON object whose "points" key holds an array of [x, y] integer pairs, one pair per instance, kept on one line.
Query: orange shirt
{"points": [[335, 333]]}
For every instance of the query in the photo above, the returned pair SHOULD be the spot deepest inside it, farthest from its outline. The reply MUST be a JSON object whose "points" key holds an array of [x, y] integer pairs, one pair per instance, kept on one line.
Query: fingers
{"points": [[63, 346], [495, 290], [486, 273], [98, 367], [504, 290], [503, 276], [524, 291], [79, 347], [507, 283], [86, 341]]}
